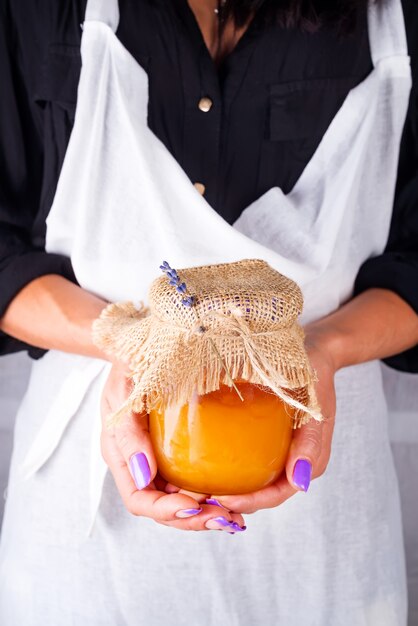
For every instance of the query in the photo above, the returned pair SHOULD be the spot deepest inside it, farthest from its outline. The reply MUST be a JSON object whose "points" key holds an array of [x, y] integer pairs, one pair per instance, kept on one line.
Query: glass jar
{"points": [[218, 444]]}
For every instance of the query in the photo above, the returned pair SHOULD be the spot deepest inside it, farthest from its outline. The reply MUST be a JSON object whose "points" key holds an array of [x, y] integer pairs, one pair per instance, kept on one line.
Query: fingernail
{"points": [[238, 528], [187, 512], [221, 523], [140, 470], [214, 502], [302, 474]]}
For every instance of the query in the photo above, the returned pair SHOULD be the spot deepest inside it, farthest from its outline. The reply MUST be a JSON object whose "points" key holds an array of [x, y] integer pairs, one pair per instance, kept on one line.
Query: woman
{"points": [[293, 137]]}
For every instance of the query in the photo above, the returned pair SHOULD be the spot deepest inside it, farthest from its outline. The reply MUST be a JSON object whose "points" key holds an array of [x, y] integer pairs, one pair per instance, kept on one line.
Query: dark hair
{"points": [[306, 15]]}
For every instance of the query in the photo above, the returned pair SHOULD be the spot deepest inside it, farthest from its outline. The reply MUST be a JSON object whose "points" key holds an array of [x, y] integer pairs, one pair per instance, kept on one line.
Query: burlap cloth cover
{"points": [[242, 325]]}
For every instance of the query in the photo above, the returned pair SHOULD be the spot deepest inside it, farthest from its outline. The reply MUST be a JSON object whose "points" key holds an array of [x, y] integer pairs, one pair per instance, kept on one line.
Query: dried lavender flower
{"points": [[174, 281], [188, 301]]}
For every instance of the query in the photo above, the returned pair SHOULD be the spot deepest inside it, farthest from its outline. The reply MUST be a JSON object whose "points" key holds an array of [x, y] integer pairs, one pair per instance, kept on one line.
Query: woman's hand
{"points": [[374, 325], [127, 449], [311, 445]]}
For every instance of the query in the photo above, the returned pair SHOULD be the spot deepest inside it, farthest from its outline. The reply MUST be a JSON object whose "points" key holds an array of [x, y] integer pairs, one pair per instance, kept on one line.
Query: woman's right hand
{"points": [[127, 450]]}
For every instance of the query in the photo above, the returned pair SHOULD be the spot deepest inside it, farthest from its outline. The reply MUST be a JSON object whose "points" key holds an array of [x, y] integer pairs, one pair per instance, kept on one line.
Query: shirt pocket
{"points": [[59, 77], [298, 115], [301, 109]]}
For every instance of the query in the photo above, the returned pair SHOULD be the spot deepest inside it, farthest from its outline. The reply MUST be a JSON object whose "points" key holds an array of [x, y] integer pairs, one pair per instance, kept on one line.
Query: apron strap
{"points": [[387, 32], [106, 11]]}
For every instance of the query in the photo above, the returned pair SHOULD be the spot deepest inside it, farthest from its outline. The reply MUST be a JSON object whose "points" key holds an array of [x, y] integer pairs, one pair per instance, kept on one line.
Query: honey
{"points": [[219, 444]]}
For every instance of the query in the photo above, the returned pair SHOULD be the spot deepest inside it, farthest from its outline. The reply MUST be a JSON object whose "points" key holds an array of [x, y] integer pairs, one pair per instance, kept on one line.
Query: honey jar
{"points": [[221, 444], [206, 329]]}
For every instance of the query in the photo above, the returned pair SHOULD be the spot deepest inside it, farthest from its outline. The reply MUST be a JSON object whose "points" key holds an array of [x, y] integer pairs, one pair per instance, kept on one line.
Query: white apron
{"points": [[71, 554]]}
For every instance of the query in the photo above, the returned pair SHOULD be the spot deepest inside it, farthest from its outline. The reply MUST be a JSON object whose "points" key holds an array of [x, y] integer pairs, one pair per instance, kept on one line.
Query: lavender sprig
{"points": [[174, 280], [188, 301]]}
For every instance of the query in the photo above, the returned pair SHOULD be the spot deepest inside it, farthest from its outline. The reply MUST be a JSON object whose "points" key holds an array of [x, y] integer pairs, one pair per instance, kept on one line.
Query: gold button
{"points": [[200, 187], [205, 104]]}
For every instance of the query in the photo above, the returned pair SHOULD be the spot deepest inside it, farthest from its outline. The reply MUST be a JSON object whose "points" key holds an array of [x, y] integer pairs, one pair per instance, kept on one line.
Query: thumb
{"points": [[134, 442], [304, 453]]}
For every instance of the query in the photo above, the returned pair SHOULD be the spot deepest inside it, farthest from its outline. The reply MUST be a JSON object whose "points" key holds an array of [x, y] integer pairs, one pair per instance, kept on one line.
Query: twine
{"points": [[242, 326]]}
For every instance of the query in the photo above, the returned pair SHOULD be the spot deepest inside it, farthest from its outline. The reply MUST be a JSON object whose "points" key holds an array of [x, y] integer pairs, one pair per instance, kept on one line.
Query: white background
{"points": [[402, 393]]}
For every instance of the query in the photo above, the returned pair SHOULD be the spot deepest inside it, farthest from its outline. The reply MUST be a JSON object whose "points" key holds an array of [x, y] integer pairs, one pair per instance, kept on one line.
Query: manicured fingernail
{"points": [[302, 474], [221, 523], [188, 512], [140, 470], [214, 502], [238, 528]]}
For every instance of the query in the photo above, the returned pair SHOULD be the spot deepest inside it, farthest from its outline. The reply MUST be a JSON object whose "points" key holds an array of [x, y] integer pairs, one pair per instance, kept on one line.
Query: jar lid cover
{"points": [[207, 326]]}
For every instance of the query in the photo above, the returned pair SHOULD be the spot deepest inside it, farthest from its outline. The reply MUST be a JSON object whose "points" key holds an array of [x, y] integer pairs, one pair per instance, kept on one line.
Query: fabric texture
{"points": [[240, 323], [255, 136], [396, 269]]}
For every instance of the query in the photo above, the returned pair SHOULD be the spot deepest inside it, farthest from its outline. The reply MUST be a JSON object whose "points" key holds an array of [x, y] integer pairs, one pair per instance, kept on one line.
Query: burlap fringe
{"points": [[130, 334]]}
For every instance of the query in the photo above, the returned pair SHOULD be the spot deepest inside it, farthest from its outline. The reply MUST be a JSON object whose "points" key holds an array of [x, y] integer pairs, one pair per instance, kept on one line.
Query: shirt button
{"points": [[200, 187], [205, 104]]}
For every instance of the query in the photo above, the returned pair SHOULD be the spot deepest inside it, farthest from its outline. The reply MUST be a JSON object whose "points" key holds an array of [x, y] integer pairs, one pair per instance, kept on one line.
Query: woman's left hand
{"points": [[311, 445]]}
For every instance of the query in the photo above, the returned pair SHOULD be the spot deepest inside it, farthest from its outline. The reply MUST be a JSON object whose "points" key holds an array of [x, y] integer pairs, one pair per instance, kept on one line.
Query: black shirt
{"points": [[246, 143]]}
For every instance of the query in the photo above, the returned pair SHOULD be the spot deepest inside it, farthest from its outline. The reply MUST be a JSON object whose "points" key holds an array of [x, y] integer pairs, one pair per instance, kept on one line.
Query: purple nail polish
{"points": [[215, 522], [237, 527], [214, 502], [140, 470], [187, 513], [302, 474], [221, 520]]}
